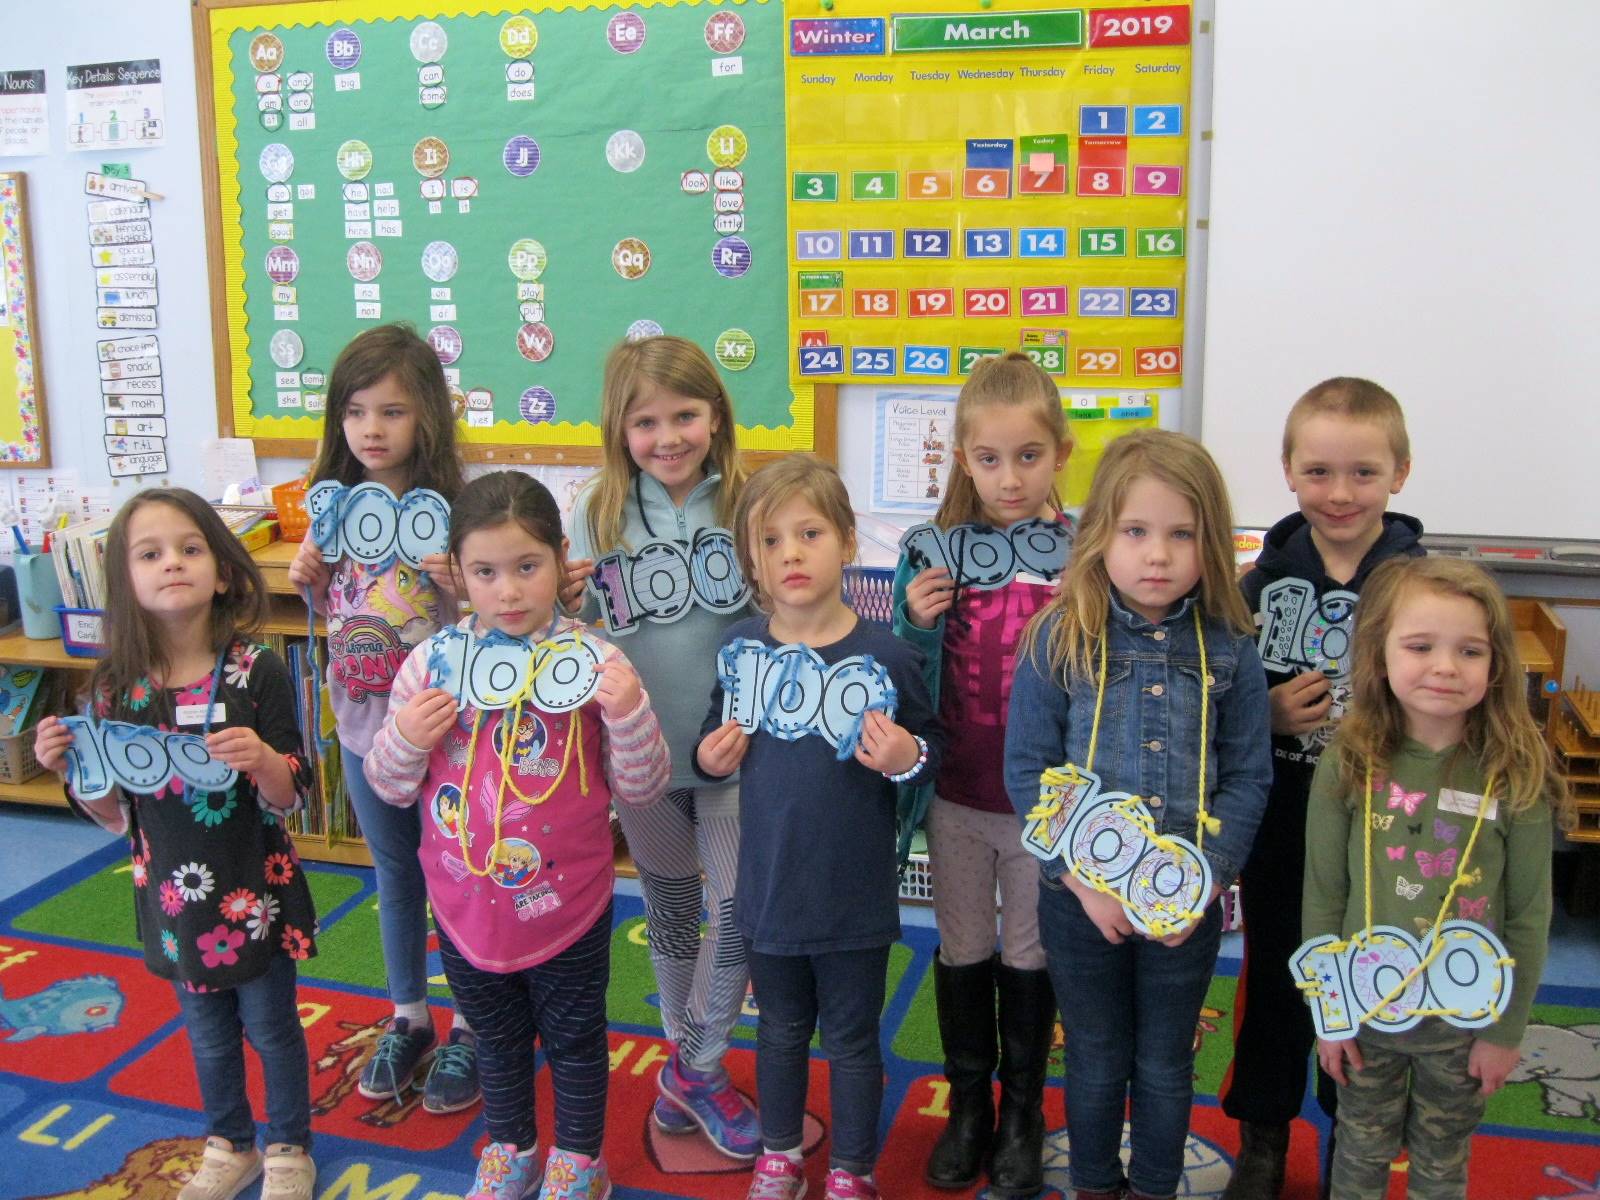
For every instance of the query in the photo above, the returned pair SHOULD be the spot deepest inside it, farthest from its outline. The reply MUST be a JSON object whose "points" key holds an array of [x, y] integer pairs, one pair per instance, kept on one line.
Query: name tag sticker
{"points": [[195, 714], [1465, 803]]}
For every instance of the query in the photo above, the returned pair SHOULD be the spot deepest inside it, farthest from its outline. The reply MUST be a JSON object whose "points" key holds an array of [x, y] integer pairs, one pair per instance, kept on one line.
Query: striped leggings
{"points": [[701, 981], [562, 1003]]}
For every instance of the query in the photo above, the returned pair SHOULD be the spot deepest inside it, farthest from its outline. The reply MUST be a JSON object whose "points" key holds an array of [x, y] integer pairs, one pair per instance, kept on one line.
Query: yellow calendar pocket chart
{"points": [[963, 183]]}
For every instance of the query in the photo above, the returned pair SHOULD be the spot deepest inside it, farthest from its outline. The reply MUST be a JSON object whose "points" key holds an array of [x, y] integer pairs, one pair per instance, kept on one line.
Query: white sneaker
{"points": [[224, 1172], [291, 1175]]}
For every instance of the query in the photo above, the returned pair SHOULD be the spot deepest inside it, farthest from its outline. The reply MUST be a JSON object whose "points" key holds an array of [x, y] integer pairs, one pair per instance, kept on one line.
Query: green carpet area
{"points": [[633, 983], [100, 909]]}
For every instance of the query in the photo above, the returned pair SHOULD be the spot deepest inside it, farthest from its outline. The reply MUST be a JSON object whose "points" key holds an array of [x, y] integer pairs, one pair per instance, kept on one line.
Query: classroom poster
{"points": [[116, 105], [913, 442], [24, 114], [21, 394], [967, 182]]}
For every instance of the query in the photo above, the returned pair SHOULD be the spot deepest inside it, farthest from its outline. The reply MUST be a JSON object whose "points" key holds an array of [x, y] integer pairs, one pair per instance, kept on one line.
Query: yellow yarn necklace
{"points": [[509, 724], [1069, 775]]}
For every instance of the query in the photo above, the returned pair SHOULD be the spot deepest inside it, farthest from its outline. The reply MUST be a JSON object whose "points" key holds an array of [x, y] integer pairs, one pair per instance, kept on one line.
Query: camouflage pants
{"points": [[1413, 1091]]}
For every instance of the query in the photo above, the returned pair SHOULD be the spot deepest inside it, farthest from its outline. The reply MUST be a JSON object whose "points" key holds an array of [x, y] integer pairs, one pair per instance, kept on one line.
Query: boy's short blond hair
{"points": [[1355, 400]]}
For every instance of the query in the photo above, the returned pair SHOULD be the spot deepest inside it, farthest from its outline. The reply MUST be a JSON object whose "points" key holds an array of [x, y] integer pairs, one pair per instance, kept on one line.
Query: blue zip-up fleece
{"points": [[678, 660], [1150, 728]]}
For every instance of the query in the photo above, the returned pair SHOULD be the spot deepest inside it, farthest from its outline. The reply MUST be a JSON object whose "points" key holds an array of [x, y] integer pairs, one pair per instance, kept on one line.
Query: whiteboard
{"points": [[1410, 192]]}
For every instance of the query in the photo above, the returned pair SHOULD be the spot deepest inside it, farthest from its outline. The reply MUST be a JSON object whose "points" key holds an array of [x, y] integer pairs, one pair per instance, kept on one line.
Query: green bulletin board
{"points": [[396, 163]]}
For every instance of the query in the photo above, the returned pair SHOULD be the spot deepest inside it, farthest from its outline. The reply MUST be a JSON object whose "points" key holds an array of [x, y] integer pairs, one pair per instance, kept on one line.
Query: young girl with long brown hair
{"points": [[223, 908], [1011, 439], [389, 421], [1144, 672], [519, 867]]}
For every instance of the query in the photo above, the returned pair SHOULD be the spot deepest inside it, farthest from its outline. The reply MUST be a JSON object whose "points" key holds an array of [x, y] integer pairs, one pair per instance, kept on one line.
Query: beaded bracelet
{"points": [[922, 761]]}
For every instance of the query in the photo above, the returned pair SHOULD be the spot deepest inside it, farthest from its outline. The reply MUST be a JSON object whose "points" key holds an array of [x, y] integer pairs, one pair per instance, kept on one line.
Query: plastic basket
{"points": [[870, 591], [916, 884], [83, 631], [1232, 910], [17, 763], [290, 501]]}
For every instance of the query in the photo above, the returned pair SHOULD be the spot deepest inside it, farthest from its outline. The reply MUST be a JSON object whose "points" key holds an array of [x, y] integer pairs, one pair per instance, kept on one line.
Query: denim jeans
{"points": [[265, 1011], [392, 835], [1128, 1012], [844, 989]]}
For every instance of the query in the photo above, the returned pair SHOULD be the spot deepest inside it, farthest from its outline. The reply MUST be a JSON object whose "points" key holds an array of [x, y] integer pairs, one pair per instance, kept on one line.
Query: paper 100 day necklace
{"points": [[1383, 977], [554, 651], [1109, 839]]}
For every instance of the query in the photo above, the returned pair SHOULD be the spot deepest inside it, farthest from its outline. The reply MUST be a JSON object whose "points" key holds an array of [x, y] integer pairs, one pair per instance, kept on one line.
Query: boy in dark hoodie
{"points": [[1345, 452]]}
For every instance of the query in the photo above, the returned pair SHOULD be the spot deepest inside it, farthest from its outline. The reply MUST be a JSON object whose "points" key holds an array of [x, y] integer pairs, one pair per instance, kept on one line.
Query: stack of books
{"points": [[78, 552]]}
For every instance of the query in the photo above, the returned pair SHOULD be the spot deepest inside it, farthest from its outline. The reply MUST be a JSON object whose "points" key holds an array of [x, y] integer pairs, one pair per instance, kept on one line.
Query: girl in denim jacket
{"points": [[1144, 671]]}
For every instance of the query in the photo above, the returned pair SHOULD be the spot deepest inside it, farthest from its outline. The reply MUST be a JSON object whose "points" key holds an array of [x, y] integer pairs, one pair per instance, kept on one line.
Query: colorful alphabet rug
{"points": [[98, 1095]]}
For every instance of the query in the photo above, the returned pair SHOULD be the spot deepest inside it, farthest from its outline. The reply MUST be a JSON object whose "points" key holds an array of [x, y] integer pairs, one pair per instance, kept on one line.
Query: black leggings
{"points": [[562, 1003]]}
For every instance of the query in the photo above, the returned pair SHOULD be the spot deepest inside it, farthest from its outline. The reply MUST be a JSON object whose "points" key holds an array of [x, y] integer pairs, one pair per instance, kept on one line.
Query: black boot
{"points": [[965, 997], [1027, 1022], [1263, 1155]]}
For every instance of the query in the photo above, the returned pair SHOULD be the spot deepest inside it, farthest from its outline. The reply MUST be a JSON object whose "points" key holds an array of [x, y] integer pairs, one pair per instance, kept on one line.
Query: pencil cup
{"points": [[40, 592]]}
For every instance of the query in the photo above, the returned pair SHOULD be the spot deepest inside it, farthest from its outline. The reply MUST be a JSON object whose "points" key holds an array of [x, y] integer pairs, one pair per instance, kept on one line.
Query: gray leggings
{"points": [[702, 981], [969, 852]]}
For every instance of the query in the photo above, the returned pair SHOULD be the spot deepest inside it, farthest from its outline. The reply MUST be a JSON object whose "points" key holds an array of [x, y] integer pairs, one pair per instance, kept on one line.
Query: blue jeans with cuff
{"points": [[265, 1011]]}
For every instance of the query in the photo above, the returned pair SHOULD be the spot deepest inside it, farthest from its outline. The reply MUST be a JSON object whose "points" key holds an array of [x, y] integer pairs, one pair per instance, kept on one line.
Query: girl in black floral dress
{"points": [[222, 905]]}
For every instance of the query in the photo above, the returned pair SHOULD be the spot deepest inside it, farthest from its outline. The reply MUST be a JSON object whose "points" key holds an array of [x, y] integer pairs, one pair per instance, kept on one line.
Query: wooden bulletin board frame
{"points": [[813, 411], [19, 347]]}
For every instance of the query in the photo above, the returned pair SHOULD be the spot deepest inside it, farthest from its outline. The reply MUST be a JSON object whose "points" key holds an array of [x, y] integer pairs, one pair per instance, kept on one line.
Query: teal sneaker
{"points": [[453, 1079], [400, 1052]]}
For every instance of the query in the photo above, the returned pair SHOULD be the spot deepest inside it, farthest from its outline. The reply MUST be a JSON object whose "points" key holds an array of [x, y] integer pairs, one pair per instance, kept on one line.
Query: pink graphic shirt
{"points": [[981, 633], [374, 620], [553, 875]]}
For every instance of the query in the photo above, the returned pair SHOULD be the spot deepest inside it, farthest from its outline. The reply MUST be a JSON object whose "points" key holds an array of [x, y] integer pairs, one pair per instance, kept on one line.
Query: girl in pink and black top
{"points": [[1011, 438], [518, 857]]}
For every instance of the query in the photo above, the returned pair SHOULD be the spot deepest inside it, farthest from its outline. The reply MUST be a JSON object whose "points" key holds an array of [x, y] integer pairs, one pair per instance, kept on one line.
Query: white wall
{"points": [[1406, 191], [86, 31]]}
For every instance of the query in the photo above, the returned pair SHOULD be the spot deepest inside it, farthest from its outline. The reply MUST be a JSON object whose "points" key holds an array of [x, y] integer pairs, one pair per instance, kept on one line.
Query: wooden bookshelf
{"points": [[40, 652], [274, 559], [43, 790]]}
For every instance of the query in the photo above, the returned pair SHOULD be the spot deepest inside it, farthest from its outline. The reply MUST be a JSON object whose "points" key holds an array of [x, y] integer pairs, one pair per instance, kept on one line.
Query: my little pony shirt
{"points": [[374, 619]]}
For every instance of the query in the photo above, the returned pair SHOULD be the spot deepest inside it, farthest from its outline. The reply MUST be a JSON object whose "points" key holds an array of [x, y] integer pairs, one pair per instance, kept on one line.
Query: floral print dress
{"points": [[217, 885]]}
